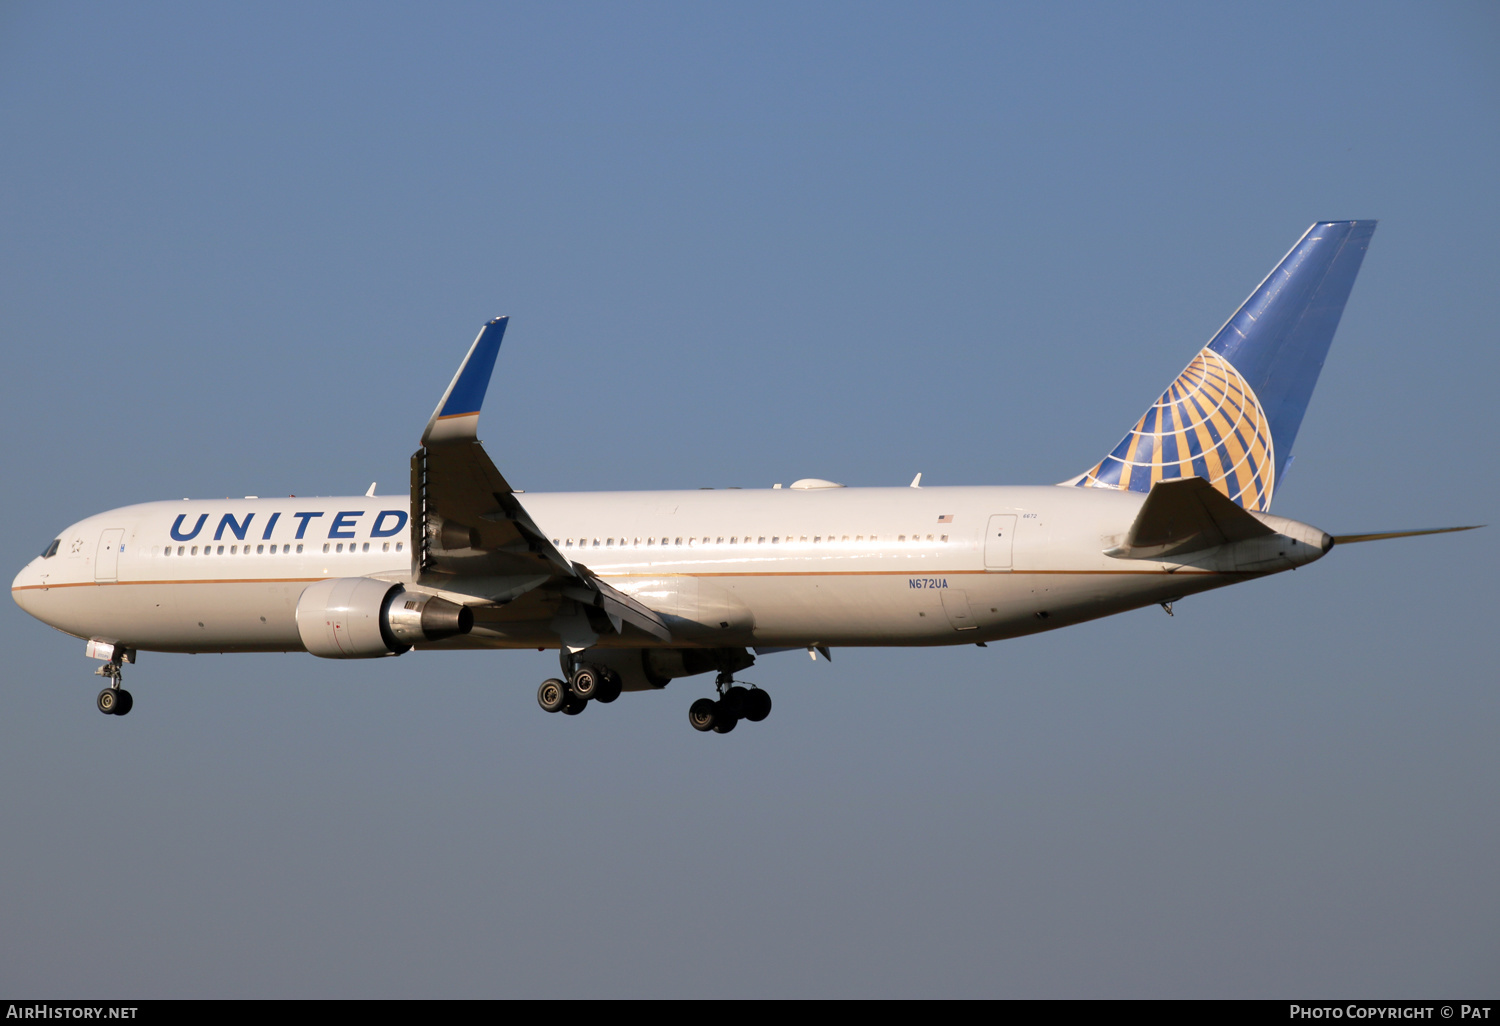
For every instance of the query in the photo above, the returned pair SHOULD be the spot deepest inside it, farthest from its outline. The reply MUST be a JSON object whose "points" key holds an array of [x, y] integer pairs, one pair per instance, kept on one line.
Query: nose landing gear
{"points": [[113, 700], [735, 703]]}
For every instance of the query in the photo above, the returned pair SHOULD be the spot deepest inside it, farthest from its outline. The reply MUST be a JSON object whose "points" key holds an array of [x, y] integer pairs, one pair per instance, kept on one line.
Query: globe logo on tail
{"points": [[1207, 424]]}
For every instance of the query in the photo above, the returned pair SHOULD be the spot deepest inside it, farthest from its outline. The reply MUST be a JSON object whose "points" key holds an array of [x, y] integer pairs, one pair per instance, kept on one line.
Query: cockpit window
{"points": [[51, 549]]}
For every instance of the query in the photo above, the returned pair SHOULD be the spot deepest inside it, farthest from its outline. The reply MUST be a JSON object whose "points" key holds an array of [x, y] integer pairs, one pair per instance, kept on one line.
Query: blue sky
{"points": [[242, 249]]}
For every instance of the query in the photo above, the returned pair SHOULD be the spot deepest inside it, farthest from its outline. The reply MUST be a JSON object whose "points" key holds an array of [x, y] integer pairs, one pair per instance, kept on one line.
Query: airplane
{"points": [[637, 589]]}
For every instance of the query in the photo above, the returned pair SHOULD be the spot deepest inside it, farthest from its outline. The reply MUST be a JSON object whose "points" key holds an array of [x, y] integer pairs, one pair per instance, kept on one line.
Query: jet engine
{"points": [[361, 618]]}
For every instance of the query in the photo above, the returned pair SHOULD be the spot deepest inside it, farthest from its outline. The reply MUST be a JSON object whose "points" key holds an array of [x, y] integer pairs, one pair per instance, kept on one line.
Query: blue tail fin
{"points": [[1232, 415]]}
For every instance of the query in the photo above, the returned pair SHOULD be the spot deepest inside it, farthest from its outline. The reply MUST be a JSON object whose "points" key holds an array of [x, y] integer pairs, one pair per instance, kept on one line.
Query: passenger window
{"points": [[760, 540], [776, 539], [260, 550], [945, 537], [325, 546], [929, 537], [299, 549], [165, 552], [195, 550], [902, 538], [609, 543], [679, 541], [398, 546], [596, 543], [179, 550], [386, 547], [366, 547]]}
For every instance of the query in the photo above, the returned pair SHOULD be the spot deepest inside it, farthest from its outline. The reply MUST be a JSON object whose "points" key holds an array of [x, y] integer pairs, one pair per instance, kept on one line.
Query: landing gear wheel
{"points": [[734, 700], [757, 705], [552, 695], [586, 682], [109, 701], [702, 713], [124, 702], [575, 705], [610, 686], [724, 720]]}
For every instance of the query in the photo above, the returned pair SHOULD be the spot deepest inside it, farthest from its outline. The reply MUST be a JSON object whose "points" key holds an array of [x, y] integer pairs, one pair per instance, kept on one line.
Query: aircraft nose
{"points": [[23, 587]]}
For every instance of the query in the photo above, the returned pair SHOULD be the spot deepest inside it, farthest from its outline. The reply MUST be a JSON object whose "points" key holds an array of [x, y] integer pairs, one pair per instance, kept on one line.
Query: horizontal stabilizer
{"points": [[1186, 515], [1349, 539]]}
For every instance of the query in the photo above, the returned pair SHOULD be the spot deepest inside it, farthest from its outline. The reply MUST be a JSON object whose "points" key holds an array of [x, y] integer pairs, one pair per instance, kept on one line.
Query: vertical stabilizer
{"points": [[1231, 417]]}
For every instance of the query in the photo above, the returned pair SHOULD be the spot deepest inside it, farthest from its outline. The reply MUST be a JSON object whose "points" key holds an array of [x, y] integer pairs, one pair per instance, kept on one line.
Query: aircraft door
{"points": [[998, 540], [107, 558]]}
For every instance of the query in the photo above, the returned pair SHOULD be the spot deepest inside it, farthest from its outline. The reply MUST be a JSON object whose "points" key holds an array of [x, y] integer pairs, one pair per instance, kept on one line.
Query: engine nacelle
{"points": [[362, 618]]}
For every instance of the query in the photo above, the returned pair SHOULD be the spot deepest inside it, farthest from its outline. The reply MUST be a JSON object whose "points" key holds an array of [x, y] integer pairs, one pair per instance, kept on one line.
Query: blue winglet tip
{"points": [[467, 394]]}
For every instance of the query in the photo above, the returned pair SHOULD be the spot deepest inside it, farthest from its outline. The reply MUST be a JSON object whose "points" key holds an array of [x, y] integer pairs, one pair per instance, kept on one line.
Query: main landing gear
{"points": [[113, 700], [586, 683], [735, 703]]}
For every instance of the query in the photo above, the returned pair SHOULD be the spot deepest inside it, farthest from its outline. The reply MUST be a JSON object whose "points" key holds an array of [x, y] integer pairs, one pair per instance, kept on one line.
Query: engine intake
{"points": [[362, 618]]}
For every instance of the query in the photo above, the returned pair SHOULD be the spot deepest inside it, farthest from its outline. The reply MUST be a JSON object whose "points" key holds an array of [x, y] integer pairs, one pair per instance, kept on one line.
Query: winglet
{"points": [[456, 418]]}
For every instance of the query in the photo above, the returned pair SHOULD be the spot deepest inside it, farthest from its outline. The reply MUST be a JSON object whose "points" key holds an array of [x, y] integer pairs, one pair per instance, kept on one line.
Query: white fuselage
{"points": [[772, 567]]}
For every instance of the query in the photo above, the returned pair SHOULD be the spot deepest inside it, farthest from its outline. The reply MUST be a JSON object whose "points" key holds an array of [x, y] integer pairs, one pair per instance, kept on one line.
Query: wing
{"points": [[469, 531]]}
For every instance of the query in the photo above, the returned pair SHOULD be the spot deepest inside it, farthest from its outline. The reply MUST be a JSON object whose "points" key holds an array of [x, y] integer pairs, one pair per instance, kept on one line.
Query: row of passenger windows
{"points": [[210, 550], [775, 539]]}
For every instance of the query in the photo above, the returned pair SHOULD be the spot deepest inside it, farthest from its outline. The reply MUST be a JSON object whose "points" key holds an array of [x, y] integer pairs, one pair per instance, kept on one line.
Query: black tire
{"points": [[124, 702], [734, 700], [609, 687], [586, 681], [107, 700], [702, 713], [575, 705], [724, 720], [552, 695], [757, 705]]}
